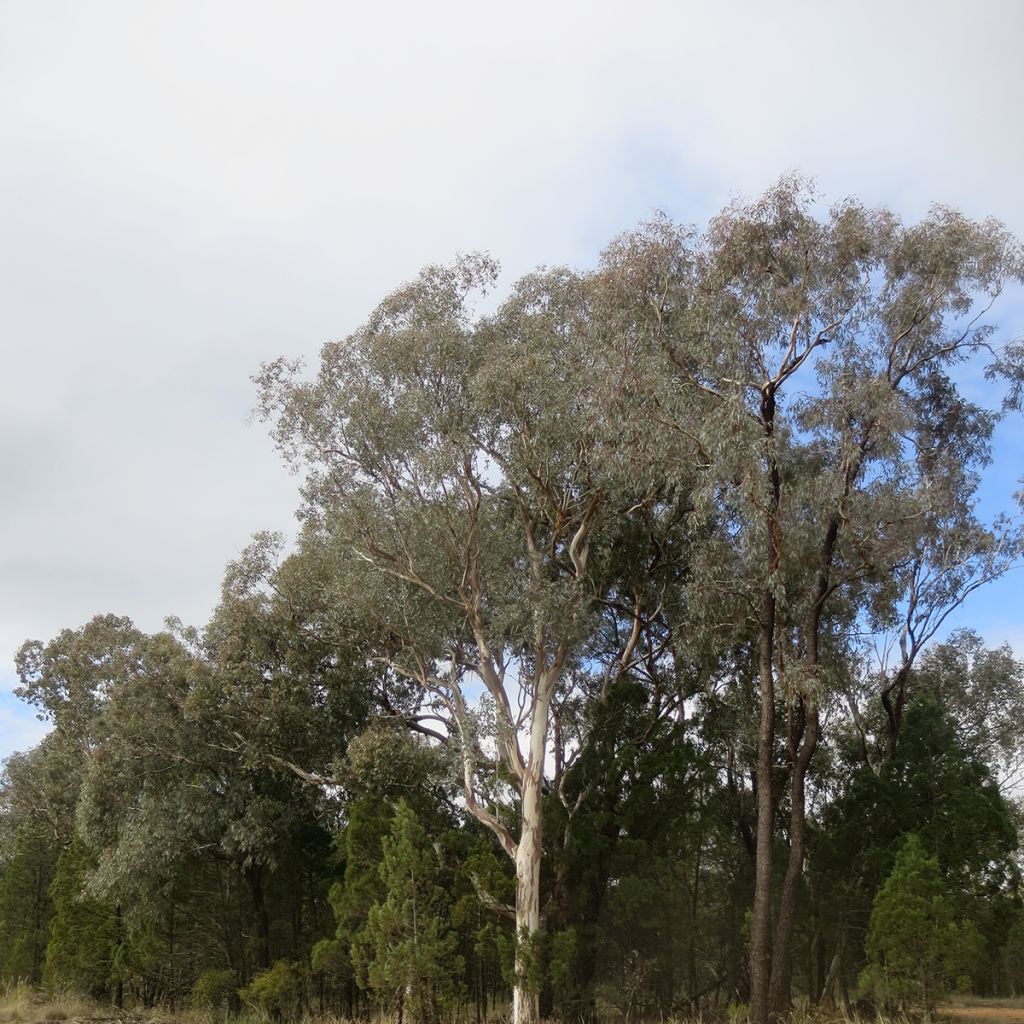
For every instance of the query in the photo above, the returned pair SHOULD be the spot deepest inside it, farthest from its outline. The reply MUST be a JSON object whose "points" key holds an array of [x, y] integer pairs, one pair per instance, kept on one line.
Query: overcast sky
{"points": [[188, 189]]}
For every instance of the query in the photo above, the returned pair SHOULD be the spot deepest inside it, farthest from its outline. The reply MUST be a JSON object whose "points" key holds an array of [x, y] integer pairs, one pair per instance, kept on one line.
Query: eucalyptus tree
{"points": [[69, 678], [744, 440], [841, 457], [164, 736], [464, 491], [181, 782], [983, 689]]}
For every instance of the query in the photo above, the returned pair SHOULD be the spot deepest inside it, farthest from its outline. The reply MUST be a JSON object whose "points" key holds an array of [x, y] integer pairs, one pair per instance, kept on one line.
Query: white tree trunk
{"points": [[525, 999]]}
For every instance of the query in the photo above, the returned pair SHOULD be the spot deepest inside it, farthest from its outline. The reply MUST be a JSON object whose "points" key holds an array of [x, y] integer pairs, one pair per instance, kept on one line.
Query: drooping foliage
{"points": [[602, 674]]}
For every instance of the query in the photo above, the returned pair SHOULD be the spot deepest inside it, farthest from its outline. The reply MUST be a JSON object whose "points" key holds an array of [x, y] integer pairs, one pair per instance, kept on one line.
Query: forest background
{"points": [[116, 193]]}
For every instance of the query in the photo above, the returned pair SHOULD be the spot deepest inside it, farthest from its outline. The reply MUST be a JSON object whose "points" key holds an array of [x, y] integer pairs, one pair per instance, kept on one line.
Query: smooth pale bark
{"points": [[827, 997], [525, 997], [526, 849]]}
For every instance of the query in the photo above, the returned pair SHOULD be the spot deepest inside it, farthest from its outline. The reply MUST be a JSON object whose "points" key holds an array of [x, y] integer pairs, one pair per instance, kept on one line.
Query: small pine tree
{"points": [[369, 821], [916, 949], [25, 909], [414, 964], [83, 951]]}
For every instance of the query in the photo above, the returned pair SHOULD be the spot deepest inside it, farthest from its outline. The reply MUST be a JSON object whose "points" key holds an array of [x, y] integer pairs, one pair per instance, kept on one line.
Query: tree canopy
{"points": [[642, 569]]}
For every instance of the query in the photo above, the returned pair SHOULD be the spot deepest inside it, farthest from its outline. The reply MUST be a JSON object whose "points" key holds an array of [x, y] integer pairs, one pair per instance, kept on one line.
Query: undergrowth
{"points": [[23, 1004]]}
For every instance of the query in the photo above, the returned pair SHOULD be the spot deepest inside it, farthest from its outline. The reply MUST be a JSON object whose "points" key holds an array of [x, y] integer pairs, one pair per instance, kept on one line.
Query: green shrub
{"points": [[215, 989], [277, 990]]}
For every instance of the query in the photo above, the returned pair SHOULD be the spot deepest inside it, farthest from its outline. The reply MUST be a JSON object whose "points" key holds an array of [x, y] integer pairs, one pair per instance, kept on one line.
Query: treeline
{"points": [[602, 675]]}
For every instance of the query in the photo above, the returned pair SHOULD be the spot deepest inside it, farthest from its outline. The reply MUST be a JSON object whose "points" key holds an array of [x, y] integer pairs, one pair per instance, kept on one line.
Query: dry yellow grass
{"points": [[24, 1005], [983, 1011]]}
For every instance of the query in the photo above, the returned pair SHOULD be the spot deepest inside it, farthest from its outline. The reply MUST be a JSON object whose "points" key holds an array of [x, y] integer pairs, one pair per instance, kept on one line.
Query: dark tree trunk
{"points": [[780, 991], [172, 987], [760, 930], [119, 984], [691, 951], [254, 876]]}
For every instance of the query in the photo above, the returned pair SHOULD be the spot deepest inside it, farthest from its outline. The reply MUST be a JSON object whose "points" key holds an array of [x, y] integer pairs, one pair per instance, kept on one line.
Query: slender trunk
{"points": [[804, 733], [525, 1001], [254, 876], [780, 991], [691, 952], [119, 983], [171, 954], [760, 930], [828, 996]]}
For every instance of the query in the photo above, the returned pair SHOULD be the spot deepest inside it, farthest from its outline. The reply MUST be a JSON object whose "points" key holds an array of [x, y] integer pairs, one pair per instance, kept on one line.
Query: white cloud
{"points": [[189, 189]]}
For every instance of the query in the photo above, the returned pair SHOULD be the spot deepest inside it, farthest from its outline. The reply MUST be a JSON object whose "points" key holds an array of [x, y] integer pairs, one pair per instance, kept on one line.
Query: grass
{"points": [[22, 1004], [968, 1001], [26, 1005]]}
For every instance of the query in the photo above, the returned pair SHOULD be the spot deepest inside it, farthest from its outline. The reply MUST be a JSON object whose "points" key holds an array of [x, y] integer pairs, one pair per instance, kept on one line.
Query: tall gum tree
{"points": [[460, 481], [841, 460], [762, 416]]}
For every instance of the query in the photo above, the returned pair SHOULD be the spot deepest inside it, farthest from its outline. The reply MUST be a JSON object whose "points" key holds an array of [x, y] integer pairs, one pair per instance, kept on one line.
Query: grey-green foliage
{"points": [[439, 451], [747, 433], [617, 475], [983, 689], [173, 735], [806, 367], [183, 735], [853, 322], [388, 761], [411, 948], [69, 678], [463, 487], [38, 793], [115, 696]]}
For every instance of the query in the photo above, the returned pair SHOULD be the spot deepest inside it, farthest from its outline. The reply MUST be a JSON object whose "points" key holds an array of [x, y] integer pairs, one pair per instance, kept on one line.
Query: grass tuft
{"points": [[23, 1004]]}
